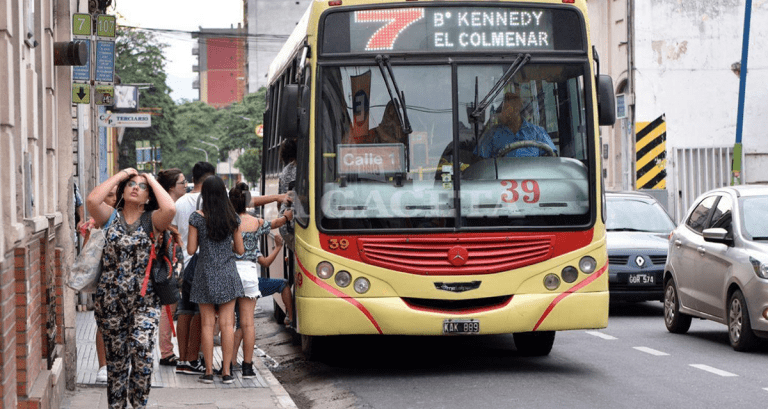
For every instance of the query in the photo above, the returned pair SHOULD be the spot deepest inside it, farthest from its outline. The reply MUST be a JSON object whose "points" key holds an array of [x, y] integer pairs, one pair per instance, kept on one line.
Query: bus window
{"points": [[527, 162], [388, 174]]}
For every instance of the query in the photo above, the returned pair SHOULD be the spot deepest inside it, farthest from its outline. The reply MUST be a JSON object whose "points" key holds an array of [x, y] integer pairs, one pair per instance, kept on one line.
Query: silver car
{"points": [[717, 266]]}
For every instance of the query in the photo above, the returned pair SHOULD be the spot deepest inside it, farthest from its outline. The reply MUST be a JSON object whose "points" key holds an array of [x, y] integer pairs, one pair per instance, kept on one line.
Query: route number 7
{"points": [[397, 20]]}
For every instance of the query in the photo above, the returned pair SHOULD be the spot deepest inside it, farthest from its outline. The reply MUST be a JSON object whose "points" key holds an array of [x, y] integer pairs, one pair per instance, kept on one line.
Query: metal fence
{"points": [[693, 171]]}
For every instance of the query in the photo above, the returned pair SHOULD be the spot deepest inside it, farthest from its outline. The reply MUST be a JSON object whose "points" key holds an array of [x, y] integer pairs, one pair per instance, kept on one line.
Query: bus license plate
{"points": [[461, 327], [641, 279]]}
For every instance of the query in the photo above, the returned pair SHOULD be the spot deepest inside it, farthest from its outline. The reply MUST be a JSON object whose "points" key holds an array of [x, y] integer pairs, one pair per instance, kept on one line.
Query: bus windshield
{"points": [[521, 162]]}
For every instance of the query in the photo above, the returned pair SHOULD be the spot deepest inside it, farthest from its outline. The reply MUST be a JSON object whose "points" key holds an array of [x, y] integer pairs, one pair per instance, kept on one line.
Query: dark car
{"points": [[638, 230]]}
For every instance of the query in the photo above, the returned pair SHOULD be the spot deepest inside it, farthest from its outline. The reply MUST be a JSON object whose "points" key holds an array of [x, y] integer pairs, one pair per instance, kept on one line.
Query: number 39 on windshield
{"points": [[529, 188]]}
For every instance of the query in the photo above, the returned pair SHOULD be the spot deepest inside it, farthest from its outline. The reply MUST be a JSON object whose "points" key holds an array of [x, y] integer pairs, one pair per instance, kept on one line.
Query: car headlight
{"points": [[324, 270], [362, 285], [761, 269], [343, 278], [551, 282], [570, 274], [587, 265]]}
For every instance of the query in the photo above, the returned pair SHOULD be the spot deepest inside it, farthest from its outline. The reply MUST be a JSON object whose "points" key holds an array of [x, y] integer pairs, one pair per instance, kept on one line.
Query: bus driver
{"points": [[513, 128]]}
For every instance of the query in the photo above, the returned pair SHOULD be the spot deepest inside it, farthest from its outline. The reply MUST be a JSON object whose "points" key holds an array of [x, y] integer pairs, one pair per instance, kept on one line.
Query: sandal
{"points": [[169, 361], [288, 323]]}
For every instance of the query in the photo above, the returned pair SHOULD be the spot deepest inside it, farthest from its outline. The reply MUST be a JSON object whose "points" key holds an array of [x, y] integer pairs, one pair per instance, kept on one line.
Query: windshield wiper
{"points": [[519, 62], [760, 238], [399, 101]]}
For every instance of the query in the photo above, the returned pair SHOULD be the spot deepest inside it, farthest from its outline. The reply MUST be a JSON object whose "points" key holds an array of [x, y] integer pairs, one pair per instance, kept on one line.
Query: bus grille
{"points": [[458, 306], [429, 255]]}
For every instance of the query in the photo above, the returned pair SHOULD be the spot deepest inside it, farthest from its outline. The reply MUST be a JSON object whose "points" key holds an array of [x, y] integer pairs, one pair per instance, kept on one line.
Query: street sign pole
{"points": [[736, 177]]}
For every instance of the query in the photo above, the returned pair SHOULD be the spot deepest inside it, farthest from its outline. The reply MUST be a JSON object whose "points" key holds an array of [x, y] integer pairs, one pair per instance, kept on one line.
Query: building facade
{"points": [[38, 156], [268, 24], [675, 66], [221, 65]]}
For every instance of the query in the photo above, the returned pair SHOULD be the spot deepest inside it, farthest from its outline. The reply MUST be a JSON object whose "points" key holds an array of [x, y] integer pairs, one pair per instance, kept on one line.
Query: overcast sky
{"points": [[186, 15]]}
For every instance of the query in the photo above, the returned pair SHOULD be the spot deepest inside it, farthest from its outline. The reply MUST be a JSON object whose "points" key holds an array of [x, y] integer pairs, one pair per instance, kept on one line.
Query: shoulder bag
{"points": [[85, 272]]}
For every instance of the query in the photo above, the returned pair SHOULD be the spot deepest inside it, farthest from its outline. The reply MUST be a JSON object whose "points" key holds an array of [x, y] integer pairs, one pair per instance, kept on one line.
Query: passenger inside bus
{"points": [[513, 136], [388, 131]]}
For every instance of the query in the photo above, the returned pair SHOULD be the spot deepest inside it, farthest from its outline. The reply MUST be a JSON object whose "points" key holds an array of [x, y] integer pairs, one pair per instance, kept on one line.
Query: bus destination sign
{"points": [[451, 29]]}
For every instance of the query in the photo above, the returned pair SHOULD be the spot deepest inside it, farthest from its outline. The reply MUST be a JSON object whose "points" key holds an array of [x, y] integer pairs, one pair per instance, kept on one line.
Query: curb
{"points": [[283, 398]]}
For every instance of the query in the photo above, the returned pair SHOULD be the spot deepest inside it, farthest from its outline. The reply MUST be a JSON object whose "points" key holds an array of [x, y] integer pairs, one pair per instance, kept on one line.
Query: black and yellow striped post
{"points": [[651, 154]]}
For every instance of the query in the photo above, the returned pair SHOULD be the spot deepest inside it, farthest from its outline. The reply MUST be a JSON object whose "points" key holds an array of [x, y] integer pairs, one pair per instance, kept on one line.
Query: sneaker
{"points": [[236, 367], [169, 361], [258, 352], [227, 379], [196, 367], [206, 378], [248, 370], [183, 367], [101, 376]]}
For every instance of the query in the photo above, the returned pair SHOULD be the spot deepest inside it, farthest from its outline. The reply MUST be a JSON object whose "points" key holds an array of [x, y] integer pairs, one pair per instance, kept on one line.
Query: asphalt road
{"points": [[634, 363]]}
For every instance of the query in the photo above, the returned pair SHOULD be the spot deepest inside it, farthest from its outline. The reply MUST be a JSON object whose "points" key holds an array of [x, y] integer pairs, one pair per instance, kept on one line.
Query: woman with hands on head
{"points": [[127, 320]]}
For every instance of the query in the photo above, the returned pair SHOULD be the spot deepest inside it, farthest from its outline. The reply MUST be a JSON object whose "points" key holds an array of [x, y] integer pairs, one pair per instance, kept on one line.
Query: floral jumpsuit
{"points": [[127, 320]]}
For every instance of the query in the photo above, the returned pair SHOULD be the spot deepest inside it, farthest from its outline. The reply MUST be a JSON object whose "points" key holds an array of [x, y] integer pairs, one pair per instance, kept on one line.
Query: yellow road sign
{"points": [[81, 93], [260, 131], [81, 24]]}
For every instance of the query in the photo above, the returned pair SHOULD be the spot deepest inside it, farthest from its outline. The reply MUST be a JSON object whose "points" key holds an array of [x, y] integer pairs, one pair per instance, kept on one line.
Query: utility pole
{"points": [[736, 178]]}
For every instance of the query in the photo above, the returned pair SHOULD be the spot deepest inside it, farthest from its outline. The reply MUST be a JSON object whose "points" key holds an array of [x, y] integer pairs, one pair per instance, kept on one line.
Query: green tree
{"points": [[139, 59], [249, 164], [195, 121]]}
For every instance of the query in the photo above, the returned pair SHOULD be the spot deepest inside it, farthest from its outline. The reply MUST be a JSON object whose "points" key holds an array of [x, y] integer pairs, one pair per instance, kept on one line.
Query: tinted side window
{"points": [[699, 216], [721, 218]]}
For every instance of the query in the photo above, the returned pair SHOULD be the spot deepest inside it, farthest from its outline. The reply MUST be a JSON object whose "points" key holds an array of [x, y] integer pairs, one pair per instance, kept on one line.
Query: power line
{"points": [[260, 37]]}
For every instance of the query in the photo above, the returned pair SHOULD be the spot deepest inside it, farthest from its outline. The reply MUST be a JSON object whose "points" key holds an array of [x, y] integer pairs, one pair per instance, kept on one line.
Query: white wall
{"points": [[684, 52], [266, 18]]}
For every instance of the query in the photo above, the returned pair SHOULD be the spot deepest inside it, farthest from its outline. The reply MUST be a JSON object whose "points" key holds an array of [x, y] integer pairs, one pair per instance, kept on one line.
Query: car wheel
{"points": [[534, 343], [676, 322], [739, 327]]}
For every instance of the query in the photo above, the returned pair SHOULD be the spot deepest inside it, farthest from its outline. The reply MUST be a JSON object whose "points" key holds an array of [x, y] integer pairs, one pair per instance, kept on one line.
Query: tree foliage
{"points": [[232, 128], [249, 164], [139, 59]]}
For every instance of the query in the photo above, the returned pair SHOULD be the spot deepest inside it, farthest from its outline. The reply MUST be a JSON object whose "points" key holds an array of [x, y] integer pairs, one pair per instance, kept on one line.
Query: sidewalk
{"points": [[170, 390]]}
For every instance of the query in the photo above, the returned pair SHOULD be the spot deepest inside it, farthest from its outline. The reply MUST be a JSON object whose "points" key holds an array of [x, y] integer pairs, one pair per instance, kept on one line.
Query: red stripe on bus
{"points": [[341, 295], [569, 292]]}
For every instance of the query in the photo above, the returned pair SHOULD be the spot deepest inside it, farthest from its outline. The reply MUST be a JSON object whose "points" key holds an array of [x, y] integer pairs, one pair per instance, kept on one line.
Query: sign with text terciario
{"points": [[114, 120]]}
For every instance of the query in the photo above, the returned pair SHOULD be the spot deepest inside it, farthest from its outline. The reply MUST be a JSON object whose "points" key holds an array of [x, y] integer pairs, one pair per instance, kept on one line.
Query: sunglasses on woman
{"points": [[142, 186]]}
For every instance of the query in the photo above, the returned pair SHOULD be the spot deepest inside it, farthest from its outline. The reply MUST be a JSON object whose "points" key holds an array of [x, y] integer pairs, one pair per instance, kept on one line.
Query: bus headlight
{"points": [[362, 285], [324, 270], [587, 265], [551, 281], [570, 274], [343, 278]]}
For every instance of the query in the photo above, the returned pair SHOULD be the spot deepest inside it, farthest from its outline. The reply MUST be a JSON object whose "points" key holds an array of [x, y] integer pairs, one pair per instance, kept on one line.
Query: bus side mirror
{"points": [[606, 100], [304, 105], [289, 111]]}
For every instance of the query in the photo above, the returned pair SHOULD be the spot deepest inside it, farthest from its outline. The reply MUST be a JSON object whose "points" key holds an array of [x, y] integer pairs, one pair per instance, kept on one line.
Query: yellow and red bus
{"points": [[419, 209]]}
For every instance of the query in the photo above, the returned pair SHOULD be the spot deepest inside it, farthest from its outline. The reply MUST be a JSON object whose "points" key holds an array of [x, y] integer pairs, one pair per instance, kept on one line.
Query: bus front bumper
{"points": [[392, 316]]}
